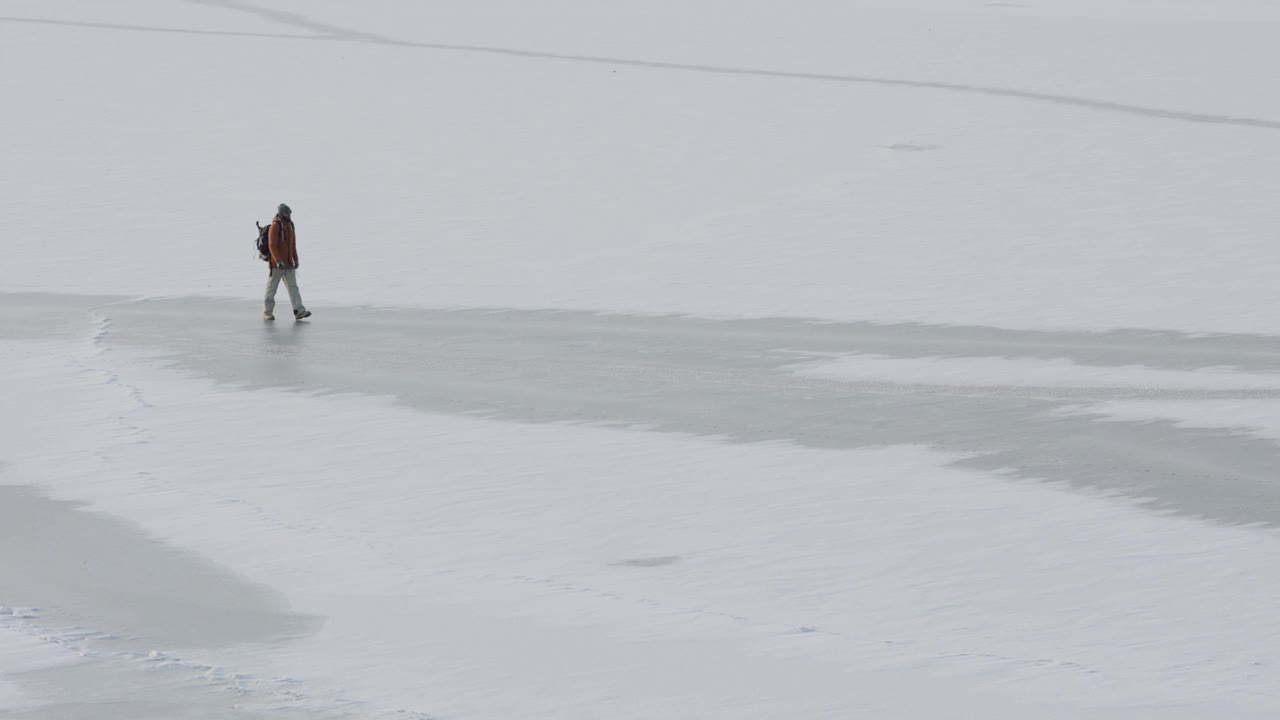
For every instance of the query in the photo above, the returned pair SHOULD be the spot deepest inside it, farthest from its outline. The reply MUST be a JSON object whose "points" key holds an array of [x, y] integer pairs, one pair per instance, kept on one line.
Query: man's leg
{"points": [[273, 283], [291, 282]]}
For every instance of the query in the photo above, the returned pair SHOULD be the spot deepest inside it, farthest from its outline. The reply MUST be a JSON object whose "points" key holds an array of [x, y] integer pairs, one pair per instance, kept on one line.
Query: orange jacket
{"points": [[283, 240]]}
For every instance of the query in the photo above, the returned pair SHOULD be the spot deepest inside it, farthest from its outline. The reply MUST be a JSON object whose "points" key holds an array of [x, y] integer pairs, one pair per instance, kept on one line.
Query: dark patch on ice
{"points": [[907, 147], [93, 571], [732, 380], [658, 561]]}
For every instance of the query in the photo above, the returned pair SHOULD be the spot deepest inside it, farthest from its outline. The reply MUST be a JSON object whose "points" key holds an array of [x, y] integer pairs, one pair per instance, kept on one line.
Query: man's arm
{"points": [[273, 241]]}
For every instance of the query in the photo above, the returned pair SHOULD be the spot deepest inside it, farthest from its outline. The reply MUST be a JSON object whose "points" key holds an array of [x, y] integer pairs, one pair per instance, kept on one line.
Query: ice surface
{"points": [[736, 360], [588, 569]]}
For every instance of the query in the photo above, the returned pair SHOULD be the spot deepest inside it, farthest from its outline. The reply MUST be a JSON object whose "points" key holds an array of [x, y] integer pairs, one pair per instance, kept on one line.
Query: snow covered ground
{"points": [[671, 359]]}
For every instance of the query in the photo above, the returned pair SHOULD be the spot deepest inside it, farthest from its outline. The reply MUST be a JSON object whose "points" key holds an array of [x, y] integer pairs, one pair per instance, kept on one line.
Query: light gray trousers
{"points": [[290, 277]]}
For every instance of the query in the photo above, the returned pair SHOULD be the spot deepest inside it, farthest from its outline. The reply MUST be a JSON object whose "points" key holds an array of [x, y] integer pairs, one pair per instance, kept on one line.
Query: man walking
{"points": [[284, 264]]}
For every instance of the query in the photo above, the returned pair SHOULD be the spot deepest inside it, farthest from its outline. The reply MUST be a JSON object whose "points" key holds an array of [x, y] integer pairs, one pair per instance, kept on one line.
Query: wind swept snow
{"points": [[1027, 373]]}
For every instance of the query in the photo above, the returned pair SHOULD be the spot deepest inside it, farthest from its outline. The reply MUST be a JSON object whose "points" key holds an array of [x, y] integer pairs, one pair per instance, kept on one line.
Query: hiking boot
{"points": [[299, 314], [266, 315]]}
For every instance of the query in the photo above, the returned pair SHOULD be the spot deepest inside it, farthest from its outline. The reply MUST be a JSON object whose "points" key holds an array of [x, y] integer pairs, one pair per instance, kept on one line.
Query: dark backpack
{"points": [[264, 245]]}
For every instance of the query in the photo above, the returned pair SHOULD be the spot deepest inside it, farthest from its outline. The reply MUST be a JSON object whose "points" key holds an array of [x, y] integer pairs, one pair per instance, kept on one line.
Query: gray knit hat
{"points": [[284, 210]]}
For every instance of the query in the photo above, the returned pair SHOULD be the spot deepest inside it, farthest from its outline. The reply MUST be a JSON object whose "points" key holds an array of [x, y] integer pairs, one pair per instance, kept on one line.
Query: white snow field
{"points": [[819, 359]]}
